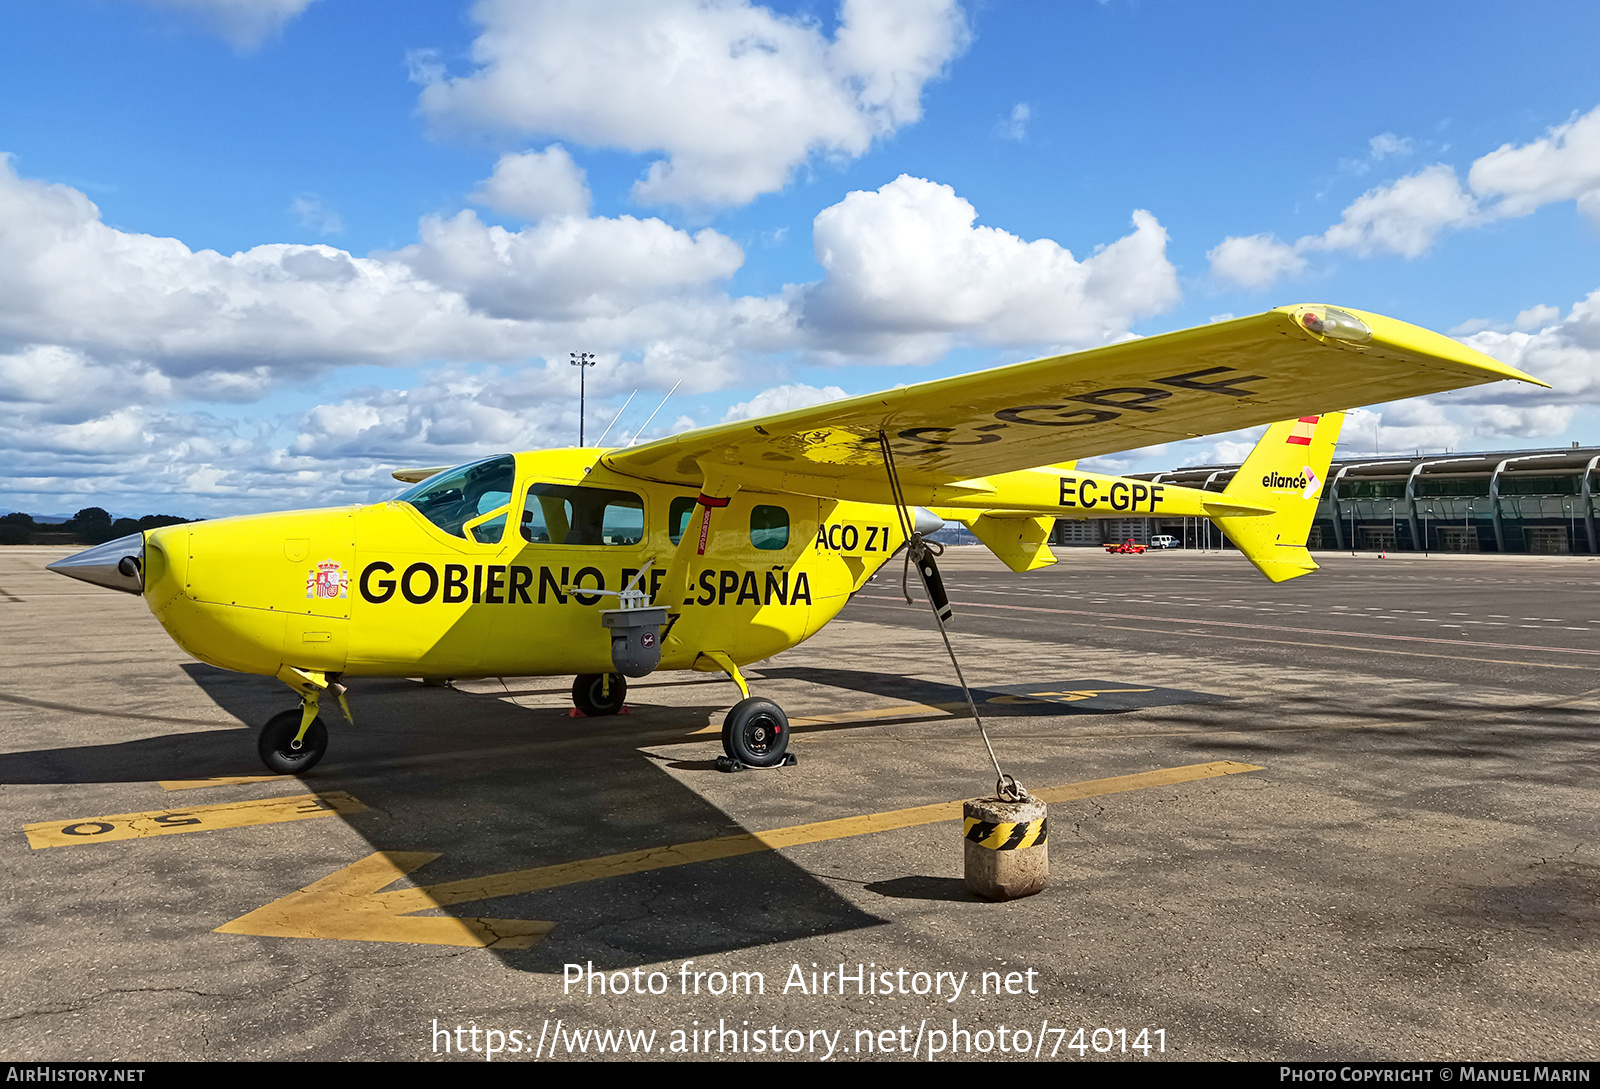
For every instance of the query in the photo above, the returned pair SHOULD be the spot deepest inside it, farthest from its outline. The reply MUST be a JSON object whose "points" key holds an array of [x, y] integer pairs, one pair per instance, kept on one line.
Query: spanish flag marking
{"points": [[1304, 428]]}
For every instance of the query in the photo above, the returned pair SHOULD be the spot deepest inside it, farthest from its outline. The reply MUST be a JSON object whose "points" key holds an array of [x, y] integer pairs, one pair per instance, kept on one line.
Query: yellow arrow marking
{"points": [[350, 904], [220, 780], [200, 818]]}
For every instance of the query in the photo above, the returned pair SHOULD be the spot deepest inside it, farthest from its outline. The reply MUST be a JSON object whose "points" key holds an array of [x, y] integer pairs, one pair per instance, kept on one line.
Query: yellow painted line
{"points": [[655, 858], [351, 905], [221, 780], [200, 818]]}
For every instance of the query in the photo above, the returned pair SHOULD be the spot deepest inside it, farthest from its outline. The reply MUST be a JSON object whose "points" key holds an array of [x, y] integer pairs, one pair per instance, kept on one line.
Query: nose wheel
{"points": [[599, 694], [285, 750], [293, 741]]}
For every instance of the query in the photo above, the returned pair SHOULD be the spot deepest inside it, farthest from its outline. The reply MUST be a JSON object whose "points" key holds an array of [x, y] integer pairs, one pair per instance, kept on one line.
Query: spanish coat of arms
{"points": [[327, 580]]}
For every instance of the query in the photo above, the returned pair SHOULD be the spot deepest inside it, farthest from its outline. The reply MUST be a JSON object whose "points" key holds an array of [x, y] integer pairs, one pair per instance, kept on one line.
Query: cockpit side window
{"points": [[567, 514], [456, 497]]}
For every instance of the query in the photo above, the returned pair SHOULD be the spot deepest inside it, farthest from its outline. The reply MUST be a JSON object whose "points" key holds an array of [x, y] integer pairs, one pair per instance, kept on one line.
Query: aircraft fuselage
{"points": [[381, 590]]}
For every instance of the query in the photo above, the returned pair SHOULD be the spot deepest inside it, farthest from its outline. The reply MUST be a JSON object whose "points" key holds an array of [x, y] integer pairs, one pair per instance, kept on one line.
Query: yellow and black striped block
{"points": [[1007, 836]]}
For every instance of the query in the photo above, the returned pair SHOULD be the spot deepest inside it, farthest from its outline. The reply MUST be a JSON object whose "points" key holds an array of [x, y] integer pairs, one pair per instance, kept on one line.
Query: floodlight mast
{"points": [[583, 361]]}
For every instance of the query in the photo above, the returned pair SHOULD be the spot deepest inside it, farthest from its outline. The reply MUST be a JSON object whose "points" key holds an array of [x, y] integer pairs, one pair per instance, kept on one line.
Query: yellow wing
{"points": [[1293, 361]]}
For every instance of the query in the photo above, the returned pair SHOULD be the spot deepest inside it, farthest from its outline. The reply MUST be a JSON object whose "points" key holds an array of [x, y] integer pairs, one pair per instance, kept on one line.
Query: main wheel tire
{"points": [[594, 696], [756, 733], [277, 738]]}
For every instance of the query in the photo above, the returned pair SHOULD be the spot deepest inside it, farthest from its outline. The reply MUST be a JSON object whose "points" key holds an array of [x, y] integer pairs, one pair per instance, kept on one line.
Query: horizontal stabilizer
{"points": [[1021, 541]]}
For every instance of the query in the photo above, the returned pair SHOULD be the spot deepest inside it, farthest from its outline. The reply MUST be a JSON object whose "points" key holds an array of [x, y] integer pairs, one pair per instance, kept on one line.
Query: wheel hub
{"points": [[759, 736]]}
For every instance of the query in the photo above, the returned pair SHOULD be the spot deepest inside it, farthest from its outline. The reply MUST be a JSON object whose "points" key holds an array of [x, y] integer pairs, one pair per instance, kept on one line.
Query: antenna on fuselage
{"points": [[614, 419], [659, 407]]}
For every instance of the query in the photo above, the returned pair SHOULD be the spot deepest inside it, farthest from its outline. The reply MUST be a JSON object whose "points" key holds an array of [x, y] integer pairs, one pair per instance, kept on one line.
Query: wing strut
{"points": [[919, 552]]}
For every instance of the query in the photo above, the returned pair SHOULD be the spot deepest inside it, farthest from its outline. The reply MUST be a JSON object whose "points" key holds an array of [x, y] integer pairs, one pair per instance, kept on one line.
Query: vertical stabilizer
{"points": [[1286, 472]]}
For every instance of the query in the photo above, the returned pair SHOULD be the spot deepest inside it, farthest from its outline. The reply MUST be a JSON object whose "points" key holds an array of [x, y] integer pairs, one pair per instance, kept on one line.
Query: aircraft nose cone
{"points": [[117, 565]]}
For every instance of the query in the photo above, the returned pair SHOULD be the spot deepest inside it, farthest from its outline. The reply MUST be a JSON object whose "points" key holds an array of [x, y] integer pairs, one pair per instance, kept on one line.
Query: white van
{"points": [[1163, 541]]}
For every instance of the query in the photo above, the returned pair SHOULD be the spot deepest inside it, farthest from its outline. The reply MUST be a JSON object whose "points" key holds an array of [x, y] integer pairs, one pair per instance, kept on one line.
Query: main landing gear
{"points": [[756, 732], [755, 735]]}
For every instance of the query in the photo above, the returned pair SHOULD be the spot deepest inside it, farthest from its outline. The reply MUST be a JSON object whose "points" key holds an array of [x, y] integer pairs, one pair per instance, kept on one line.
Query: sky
{"points": [[256, 254]]}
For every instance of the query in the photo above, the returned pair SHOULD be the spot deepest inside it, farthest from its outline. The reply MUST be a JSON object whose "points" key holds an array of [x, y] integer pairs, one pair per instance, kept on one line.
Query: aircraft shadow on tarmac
{"points": [[493, 787]]}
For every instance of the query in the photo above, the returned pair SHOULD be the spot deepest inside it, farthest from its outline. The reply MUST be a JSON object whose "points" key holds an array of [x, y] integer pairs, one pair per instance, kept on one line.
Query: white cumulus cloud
{"points": [[908, 275], [782, 399], [1257, 260], [566, 267], [1405, 217], [1562, 165], [464, 291], [1566, 354], [535, 184], [1536, 317], [735, 96], [109, 338]]}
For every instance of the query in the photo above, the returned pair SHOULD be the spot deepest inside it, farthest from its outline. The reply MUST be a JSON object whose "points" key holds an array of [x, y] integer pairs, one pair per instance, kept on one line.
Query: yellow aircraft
{"points": [[725, 545]]}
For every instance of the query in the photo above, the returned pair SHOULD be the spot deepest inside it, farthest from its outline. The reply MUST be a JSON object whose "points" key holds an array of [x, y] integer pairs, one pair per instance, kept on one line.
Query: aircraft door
{"points": [[749, 594]]}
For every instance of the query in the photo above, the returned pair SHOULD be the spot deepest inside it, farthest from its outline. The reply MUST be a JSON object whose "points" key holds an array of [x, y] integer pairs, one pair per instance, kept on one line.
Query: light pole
{"points": [[583, 361]]}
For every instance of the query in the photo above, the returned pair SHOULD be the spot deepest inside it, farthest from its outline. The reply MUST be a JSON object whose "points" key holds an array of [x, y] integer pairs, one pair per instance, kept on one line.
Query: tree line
{"points": [[91, 525]]}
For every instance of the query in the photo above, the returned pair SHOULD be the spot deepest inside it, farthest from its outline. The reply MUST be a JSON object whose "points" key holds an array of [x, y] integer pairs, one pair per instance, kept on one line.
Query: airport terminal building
{"points": [[1539, 501]]}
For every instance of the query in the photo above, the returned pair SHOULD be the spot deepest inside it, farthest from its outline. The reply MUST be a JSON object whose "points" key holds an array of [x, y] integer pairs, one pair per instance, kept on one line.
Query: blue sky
{"points": [[256, 253]]}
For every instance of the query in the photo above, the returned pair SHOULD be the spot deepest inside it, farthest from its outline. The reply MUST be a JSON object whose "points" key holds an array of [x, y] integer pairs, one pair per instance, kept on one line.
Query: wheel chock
{"points": [[728, 763]]}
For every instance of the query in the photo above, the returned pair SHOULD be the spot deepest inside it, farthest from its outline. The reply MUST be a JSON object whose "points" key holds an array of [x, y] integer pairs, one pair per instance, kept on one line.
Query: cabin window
{"points": [[565, 514], [769, 528], [678, 516], [457, 499]]}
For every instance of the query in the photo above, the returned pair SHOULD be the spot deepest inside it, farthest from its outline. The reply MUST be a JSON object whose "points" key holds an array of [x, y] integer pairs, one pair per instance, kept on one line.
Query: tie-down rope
{"points": [[918, 547]]}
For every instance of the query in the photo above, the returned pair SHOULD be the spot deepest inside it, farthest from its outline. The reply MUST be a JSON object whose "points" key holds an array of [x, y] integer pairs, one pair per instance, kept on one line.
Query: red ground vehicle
{"points": [[1126, 548]]}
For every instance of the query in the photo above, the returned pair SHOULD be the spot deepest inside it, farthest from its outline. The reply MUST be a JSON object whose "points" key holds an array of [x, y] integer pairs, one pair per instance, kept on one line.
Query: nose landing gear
{"points": [[599, 694], [288, 748], [292, 742]]}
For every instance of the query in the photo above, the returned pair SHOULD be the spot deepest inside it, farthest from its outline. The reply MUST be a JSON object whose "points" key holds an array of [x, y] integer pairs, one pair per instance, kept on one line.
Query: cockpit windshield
{"points": [[471, 499]]}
